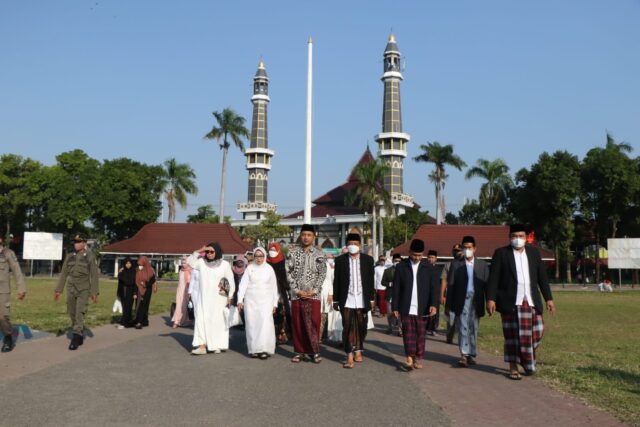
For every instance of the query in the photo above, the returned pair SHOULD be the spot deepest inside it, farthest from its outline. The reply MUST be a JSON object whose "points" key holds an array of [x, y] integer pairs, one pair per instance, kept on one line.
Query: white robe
{"points": [[258, 292], [210, 327]]}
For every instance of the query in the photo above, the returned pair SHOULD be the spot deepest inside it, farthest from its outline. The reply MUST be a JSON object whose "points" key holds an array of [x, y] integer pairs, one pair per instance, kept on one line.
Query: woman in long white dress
{"points": [[210, 331], [258, 297]]}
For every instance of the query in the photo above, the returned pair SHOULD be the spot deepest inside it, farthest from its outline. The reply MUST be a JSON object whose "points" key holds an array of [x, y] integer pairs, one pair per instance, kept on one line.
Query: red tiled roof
{"points": [[179, 239], [443, 237], [324, 210]]}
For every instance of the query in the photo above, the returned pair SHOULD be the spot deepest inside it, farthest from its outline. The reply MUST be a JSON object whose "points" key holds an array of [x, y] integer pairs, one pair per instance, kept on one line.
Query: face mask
{"points": [[517, 243], [353, 249], [140, 267], [273, 253], [468, 253]]}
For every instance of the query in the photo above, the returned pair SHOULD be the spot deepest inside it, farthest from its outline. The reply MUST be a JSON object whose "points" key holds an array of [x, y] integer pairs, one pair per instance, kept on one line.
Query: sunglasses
{"points": [[209, 252]]}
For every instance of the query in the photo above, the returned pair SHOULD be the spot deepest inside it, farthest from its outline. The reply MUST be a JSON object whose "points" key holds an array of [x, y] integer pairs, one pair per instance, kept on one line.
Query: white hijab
{"points": [[259, 273]]}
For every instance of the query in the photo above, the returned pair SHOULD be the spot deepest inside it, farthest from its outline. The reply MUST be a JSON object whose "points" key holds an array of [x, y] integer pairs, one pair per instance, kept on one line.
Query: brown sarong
{"points": [[305, 322], [354, 329]]}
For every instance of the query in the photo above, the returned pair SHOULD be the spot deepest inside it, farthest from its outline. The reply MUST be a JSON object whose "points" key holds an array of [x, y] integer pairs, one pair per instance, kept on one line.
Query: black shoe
{"points": [[75, 342], [7, 345], [80, 340]]}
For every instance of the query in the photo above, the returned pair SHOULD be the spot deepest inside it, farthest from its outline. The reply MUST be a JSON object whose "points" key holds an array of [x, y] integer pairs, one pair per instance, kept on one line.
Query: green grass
{"points": [[590, 348], [39, 311]]}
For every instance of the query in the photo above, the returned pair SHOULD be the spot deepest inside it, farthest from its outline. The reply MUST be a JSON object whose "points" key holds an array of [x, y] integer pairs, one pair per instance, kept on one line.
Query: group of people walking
{"points": [[301, 295], [291, 297]]}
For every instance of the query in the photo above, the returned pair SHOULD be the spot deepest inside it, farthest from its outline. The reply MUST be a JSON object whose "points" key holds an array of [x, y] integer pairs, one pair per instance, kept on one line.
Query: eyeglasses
{"points": [[258, 256]]}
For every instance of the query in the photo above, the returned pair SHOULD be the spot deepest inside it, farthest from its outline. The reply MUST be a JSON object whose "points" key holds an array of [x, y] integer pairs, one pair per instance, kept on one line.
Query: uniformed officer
{"points": [[8, 264], [80, 273]]}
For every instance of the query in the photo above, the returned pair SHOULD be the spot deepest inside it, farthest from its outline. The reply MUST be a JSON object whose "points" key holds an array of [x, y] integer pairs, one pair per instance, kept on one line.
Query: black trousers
{"points": [[142, 313], [126, 298]]}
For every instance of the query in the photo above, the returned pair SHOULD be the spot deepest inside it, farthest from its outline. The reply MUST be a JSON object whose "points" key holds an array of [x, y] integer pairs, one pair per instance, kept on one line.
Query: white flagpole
{"points": [[307, 186]]}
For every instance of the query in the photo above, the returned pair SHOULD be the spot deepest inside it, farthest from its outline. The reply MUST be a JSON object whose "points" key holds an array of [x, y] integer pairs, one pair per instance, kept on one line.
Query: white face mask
{"points": [[273, 253], [517, 243], [353, 249], [468, 253], [140, 267]]}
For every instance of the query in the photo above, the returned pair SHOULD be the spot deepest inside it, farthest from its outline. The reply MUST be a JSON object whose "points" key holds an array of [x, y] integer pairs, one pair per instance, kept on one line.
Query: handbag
{"points": [[234, 318], [117, 306]]}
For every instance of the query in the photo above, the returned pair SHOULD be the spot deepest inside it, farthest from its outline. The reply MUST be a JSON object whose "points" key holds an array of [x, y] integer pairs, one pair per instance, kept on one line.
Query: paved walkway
{"points": [[132, 377]]}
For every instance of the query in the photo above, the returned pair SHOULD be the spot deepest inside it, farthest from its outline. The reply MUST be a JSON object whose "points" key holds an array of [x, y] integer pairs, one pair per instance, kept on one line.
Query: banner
{"points": [[624, 253], [42, 246]]}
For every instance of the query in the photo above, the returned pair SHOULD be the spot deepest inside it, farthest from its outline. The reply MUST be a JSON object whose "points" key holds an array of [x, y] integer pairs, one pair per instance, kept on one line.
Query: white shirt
{"points": [[379, 271], [469, 263], [413, 308], [354, 297], [524, 279]]}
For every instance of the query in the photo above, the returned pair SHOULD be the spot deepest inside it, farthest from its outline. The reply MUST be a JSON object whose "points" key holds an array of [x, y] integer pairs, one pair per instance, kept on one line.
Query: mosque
{"points": [[330, 213]]}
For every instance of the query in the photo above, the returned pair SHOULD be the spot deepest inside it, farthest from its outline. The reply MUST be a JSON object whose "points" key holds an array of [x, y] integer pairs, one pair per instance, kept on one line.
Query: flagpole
{"points": [[307, 182]]}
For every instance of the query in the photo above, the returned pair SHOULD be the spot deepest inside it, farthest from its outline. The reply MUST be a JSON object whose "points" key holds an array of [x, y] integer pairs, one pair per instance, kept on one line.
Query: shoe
{"points": [[120, 327], [198, 351], [138, 325], [263, 356], [471, 360], [7, 345], [80, 340], [463, 362], [216, 351], [75, 342]]}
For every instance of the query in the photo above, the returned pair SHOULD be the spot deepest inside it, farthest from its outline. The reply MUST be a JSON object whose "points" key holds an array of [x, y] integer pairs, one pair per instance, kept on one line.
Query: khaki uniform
{"points": [[80, 274], [8, 264]]}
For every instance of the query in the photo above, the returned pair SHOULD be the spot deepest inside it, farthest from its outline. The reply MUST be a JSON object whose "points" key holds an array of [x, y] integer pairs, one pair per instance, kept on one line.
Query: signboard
{"points": [[624, 253], [42, 246]]}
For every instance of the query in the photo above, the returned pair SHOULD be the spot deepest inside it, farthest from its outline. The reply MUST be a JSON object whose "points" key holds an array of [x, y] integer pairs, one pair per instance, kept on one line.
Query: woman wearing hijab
{"points": [[238, 267], [181, 315], [258, 298], [126, 290], [214, 295], [145, 282], [282, 316]]}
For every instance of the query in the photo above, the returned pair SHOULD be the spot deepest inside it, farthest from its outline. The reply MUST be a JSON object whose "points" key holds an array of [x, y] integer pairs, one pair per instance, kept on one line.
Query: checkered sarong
{"points": [[522, 330], [414, 329]]}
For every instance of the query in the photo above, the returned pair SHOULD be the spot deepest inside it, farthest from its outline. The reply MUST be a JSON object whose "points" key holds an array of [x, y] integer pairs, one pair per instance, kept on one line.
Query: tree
{"points": [[440, 156], [204, 215], [229, 125], [127, 197], [177, 181], [369, 193], [268, 229], [399, 229], [493, 193], [72, 186], [547, 197], [14, 200]]}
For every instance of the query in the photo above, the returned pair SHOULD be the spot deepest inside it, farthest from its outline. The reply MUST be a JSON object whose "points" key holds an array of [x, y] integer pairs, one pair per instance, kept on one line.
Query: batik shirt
{"points": [[306, 271]]}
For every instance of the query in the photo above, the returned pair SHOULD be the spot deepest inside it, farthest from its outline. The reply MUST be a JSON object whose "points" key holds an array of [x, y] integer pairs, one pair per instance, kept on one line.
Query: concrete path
{"points": [[147, 377]]}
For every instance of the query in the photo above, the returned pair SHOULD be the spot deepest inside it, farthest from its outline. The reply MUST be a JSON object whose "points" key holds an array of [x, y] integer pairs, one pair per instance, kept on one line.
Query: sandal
{"points": [[462, 362], [471, 360], [296, 359], [528, 372], [417, 365], [348, 365], [253, 356], [358, 357], [316, 359], [514, 376], [263, 356]]}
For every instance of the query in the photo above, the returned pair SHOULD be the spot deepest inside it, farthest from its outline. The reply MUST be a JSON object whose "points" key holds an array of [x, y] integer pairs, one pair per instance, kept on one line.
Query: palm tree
{"points": [[494, 191], [229, 125], [370, 194], [177, 181], [440, 156]]}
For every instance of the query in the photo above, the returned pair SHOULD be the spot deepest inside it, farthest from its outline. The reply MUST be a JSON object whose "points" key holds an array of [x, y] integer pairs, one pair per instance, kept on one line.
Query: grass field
{"points": [[591, 348], [39, 311]]}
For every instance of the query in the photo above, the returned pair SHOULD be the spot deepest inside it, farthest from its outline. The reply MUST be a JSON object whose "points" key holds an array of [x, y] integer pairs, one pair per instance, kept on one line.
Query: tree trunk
{"points": [[568, 266], [438, 192], [557, 275], [374, 235], [225, 149], [381, 236]]}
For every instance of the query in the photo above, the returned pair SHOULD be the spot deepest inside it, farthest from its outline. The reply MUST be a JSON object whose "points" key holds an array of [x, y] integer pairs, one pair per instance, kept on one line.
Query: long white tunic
{"points": [[210, 327], [258, 292]]}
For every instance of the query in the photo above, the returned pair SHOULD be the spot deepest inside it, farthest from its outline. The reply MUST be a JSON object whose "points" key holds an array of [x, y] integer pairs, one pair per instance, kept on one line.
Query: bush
{"points": [[170, 275]]}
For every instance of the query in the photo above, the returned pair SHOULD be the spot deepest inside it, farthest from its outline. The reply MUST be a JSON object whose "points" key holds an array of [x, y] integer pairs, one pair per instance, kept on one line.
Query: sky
{"points": [[496, 79]]}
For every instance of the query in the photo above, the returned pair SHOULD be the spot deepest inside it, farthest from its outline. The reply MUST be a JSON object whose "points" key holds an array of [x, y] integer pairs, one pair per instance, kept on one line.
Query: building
{"points": [[392, 141], [258, 154], [165, 243], [442, 238]]}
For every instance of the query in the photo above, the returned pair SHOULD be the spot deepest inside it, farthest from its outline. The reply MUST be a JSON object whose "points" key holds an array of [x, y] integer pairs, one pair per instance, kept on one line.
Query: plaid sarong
{"points": [[522, 330], [414, 329], [354, 329]]}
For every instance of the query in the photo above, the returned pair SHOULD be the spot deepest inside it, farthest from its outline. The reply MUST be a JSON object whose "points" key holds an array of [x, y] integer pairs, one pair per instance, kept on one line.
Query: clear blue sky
{"points": [[140, 79]]}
